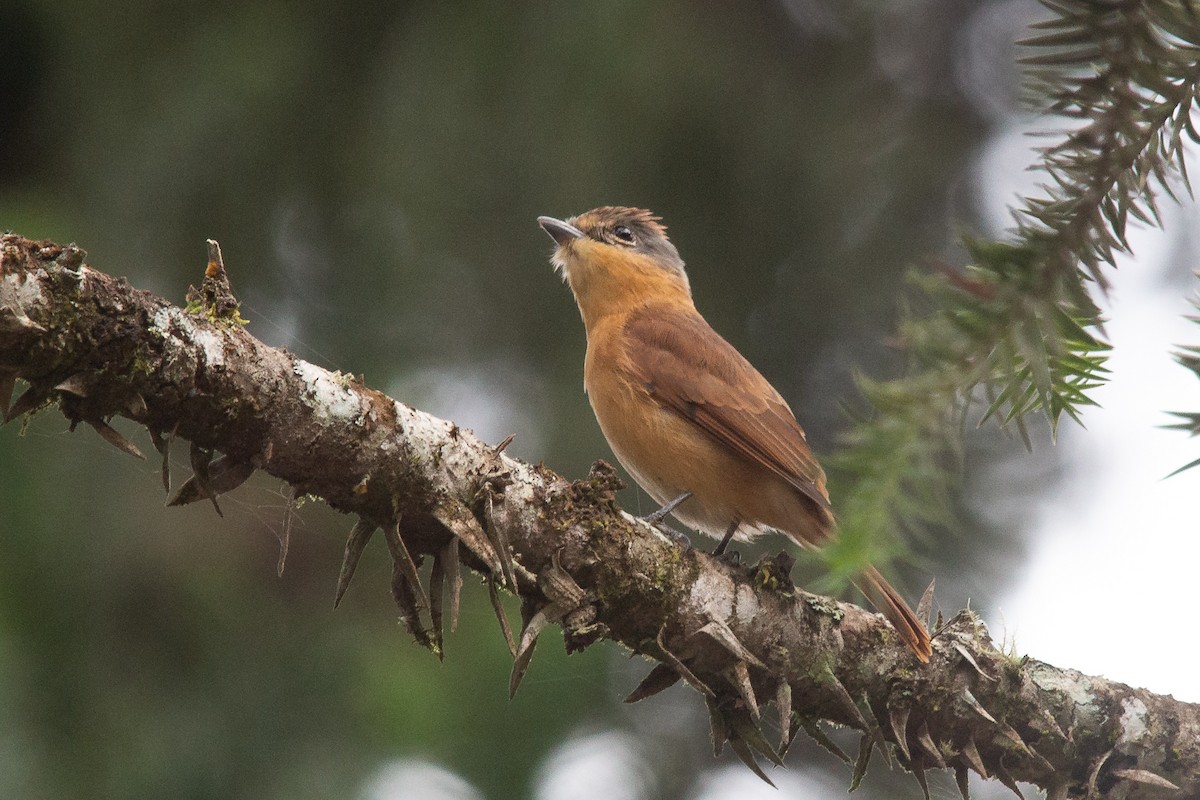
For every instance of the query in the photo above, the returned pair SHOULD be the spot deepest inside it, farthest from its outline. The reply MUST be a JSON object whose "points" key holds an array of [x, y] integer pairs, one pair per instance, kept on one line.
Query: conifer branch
{"points": [[1016, 333]]}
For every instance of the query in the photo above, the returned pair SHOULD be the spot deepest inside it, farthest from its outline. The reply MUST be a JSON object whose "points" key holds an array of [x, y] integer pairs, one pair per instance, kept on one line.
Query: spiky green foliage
{"points": [[1014, 334], [1127, 73], [1189, 357]]}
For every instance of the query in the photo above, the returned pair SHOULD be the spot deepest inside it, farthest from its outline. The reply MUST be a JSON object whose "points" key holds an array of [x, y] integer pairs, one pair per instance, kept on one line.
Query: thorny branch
{"points": [[742, 637]]}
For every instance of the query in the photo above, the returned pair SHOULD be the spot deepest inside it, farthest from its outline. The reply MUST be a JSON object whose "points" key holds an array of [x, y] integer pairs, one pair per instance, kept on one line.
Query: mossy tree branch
{"points": [[743, 637]]}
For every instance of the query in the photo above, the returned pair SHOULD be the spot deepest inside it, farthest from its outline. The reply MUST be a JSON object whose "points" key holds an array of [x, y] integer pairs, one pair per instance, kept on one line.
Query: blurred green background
{"points": [[373, 171]]}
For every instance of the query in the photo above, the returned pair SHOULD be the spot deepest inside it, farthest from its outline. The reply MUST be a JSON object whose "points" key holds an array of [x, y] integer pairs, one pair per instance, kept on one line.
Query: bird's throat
{"points": [[614, 286]]}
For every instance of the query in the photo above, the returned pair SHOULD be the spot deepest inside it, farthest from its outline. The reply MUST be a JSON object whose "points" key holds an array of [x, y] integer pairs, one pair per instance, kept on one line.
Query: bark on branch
{"points": [[744, 637]]}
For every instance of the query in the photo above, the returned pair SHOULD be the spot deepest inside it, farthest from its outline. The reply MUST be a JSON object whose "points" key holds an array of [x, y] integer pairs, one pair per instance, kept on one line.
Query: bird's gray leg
{"points": [[733, 526], [661, 514], [656, 519]]}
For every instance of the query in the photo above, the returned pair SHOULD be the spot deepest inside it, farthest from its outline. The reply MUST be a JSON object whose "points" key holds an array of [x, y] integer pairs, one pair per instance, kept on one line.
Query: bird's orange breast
{"points": [[667, 454]]}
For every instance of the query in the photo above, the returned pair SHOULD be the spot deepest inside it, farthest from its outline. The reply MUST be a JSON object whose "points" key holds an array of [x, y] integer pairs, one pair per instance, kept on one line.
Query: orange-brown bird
{"points": [[691, 420]]}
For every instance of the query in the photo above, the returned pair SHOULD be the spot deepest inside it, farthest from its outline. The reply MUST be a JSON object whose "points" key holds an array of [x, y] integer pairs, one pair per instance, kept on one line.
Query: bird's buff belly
{"points": [[661, 451]]}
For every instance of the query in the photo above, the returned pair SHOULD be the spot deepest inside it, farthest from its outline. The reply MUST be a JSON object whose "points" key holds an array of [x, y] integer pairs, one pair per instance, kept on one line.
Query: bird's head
{"points": [[614, 255]]}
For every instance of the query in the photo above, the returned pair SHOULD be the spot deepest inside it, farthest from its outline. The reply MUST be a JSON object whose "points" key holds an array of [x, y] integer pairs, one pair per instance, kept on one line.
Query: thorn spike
{"points": [[926, 742], [813, 729], [496, 534], [360, 534], [29, 400], [925, 605], [227, 473], [970, 659], [501, 617], [846, 701], [749, 732], [1003, 776], [682, 668], [744, 753], [74, 385], [437, 586], [558, 585], [454, 575], [877, 724], [898, 721], [1055, 728], [221, 476], [216, 264], [794, 729], [865, 746], [404, 561], [1145, 777], [971, 753], [1094, 775], [720, 632], [974, 705], [1007, 734], [783, 704], [962, 779], [200, 459], [718, 730], [741, 674], [459, 521], [113, 437], [8, 382], [405, 598], [919, 774], [661, 677]]}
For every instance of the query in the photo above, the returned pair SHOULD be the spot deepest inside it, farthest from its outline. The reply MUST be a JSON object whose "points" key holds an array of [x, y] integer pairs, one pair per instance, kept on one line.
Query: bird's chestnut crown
{"points": [[634, 228]]}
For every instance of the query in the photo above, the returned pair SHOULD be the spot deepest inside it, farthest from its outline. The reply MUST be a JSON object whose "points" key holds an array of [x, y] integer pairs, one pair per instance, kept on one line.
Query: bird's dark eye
{"points": [[623, 234]]}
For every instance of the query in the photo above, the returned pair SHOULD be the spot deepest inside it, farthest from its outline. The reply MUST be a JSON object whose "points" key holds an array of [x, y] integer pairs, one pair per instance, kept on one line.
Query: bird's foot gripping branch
{"points": [[97, 348]]}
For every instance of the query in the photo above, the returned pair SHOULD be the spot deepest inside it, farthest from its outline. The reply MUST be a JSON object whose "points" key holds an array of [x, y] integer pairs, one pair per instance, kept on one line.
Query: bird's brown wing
{"points": [[687, 367]]}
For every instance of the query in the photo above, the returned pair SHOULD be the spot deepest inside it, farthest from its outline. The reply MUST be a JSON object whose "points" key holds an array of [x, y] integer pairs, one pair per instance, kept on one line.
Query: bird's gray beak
{"points": [[561, 232]]}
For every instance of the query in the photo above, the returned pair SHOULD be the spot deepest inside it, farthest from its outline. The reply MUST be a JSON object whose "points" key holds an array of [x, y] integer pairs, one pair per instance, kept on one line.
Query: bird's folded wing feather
{"points": [[687, 367]]}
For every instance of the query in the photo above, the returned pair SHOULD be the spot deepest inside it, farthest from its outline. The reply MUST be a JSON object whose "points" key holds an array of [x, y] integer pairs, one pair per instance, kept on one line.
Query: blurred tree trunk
{"points": [[743, 637]]}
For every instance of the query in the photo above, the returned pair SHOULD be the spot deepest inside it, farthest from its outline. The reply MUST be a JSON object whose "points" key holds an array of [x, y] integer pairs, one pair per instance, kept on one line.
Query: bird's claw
{"points": [[731, 557], [680, 539]]}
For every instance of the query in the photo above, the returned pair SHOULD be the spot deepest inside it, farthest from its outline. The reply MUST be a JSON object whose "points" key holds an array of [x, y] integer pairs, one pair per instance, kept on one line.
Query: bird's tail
{"points": [[888, 601]]}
